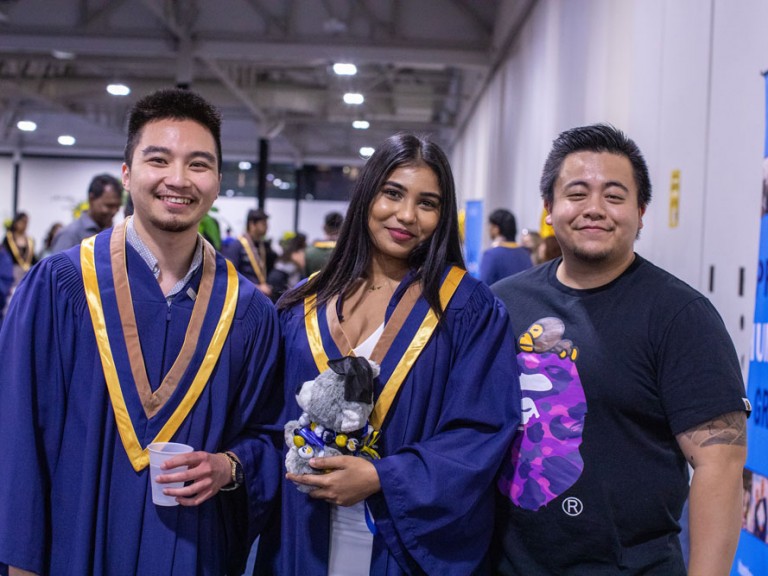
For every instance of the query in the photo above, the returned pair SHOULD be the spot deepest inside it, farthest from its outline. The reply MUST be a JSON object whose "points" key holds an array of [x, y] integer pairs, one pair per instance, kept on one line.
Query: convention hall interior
{"points": [[493, 81], [307, 88]]}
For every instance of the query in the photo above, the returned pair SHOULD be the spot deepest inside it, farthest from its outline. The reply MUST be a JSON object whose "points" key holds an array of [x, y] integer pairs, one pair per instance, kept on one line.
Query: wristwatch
{"points": [[238, 477]]}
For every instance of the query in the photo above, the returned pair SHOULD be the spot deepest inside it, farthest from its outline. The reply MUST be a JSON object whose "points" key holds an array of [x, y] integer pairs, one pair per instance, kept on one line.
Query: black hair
{"points": [[333, 221], [352, 256], [100, 183], [16, 219], [172, 104], [595, 138], [505, 220]]}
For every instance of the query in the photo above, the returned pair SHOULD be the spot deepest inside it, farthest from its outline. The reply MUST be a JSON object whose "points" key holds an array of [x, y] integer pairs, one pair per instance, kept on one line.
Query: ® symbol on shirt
{"points": [[572, 506]]}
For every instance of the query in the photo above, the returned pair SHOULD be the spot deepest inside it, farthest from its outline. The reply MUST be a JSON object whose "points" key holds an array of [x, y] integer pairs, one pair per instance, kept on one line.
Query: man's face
{"points": [[174, 175], [595, 211], [258, 229], [103, 209]]}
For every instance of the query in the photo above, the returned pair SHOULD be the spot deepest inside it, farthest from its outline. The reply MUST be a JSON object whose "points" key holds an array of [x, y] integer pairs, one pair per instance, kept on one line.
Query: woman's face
{"points": [[405, 211], [21, 225]]}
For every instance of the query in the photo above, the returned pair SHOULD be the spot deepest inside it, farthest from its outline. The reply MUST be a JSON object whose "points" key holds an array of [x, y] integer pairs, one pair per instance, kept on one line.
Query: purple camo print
{"points": [[544, 459]]}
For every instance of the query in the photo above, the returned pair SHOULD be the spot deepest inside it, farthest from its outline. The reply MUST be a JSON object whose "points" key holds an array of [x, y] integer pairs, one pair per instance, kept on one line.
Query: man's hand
{"points": [[347, 481], [206, 475]]}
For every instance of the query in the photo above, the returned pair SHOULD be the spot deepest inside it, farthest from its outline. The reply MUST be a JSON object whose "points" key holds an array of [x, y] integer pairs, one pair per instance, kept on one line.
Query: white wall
{"points": [[682, 78]]}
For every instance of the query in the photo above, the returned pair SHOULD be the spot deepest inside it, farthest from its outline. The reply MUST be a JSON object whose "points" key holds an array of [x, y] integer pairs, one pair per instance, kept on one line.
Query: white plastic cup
{"points": [[159, 452]]}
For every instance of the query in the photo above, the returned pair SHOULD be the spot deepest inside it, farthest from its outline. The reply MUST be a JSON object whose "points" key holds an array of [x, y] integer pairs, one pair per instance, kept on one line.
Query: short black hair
{"points": [[100, 183], [172, 104], [506, 222], [256, 215], [595, 138], [333, 221]]}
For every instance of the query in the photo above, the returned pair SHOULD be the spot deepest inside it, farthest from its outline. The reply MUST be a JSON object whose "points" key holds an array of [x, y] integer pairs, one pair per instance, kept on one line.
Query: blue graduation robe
{"points": [[70, 500], [441, 444]]}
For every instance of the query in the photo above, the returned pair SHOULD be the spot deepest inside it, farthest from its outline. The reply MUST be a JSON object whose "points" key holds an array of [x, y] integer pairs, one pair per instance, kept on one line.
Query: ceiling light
{"points": [[63, 55], [244, 165], [361, 124], [342, 69], [366, 151], [118, 90], [26, 125], [66, 140], [353, 98]]}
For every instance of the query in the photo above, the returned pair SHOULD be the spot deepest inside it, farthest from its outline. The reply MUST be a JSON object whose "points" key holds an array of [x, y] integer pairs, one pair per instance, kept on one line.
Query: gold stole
{"points": [[396, 321], [324, 244], [152, 403], [259, 264], [26, 261], [508, 244]]}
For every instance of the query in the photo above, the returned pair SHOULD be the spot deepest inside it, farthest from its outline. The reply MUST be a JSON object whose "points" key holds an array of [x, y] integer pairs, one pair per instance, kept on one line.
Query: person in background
{"points": [[137, 335], [105, 196], [252, 254], [320, 251], [530, 240], [20, 246], [395, 291], [6, 281], [628, 375], [505, 257], [289, 266], [48, 242], [549, 249]]}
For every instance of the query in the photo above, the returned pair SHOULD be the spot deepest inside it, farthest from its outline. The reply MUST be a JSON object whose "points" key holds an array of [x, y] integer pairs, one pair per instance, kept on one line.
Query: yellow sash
{"points": [[420, 339], [139, 456], [26, 261], [258, 265]]}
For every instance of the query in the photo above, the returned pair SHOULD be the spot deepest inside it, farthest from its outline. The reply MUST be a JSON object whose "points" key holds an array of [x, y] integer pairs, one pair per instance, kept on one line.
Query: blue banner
{"points": [[473, 236], [752, 553]]}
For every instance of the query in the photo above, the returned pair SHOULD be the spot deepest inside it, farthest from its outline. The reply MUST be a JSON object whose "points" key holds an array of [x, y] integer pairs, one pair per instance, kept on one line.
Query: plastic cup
{"points": [[159, 452]]}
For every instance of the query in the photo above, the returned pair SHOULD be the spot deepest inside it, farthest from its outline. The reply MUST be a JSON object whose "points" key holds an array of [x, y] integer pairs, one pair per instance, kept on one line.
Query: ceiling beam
{"points": [[281, 52]]}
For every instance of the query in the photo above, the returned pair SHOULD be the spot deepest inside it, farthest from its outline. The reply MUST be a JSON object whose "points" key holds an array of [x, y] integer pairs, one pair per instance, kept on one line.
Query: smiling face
{"points": [[405, 212], [595, 211], [174, 176]]}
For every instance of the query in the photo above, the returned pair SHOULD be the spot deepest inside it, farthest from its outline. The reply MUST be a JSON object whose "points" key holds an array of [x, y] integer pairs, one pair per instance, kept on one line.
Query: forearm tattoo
{"points": [[728, 428]]}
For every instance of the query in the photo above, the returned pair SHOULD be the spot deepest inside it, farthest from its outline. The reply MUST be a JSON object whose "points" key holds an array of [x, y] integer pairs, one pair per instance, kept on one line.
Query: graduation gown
{"points": [[71, 502], [441, 444]]}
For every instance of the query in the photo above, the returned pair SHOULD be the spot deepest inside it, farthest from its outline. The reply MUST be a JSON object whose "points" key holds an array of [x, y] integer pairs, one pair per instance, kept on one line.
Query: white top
{"points": [[351, 540]]}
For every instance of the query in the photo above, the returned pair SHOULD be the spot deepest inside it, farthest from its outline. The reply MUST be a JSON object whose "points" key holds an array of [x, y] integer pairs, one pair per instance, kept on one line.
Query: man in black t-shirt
{"points": [[628, 374]]}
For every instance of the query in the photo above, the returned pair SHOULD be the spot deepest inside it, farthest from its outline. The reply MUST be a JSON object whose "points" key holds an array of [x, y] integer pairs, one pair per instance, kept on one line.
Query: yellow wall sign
{"points": [[674, 199]]}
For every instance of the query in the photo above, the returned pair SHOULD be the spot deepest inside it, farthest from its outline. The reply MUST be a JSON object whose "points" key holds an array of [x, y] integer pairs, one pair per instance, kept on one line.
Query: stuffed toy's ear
{"points": [[358, 378]]}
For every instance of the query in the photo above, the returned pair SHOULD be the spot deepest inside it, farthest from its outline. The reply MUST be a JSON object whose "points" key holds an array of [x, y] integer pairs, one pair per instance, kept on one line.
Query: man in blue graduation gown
{"points": [[140, 334]]}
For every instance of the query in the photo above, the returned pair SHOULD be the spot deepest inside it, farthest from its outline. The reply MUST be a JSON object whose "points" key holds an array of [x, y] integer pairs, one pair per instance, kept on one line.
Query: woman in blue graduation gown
{"points": [[395, 291]]}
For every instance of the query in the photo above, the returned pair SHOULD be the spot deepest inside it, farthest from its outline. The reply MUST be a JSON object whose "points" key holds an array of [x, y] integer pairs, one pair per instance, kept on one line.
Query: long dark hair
{"points": [[352, 255]]}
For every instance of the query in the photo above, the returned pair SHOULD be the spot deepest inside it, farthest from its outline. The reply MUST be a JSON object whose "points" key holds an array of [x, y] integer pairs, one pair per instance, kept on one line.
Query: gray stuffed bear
{"points": [[336, 406]]}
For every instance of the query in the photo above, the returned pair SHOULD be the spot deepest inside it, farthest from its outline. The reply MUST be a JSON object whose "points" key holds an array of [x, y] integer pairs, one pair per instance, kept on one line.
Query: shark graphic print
{"points": [[545, 460]]}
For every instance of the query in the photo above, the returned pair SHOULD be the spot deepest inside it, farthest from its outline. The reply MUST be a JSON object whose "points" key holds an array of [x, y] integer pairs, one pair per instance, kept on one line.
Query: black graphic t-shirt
{"points": [[596, 482]]}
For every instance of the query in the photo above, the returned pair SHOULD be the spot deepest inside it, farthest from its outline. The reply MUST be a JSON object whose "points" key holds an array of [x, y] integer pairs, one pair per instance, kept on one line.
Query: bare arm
{"points": [[717, 452]]}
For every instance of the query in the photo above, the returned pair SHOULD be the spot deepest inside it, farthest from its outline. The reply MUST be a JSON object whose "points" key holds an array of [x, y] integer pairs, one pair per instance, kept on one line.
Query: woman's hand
{"points": [[347, 479]]}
